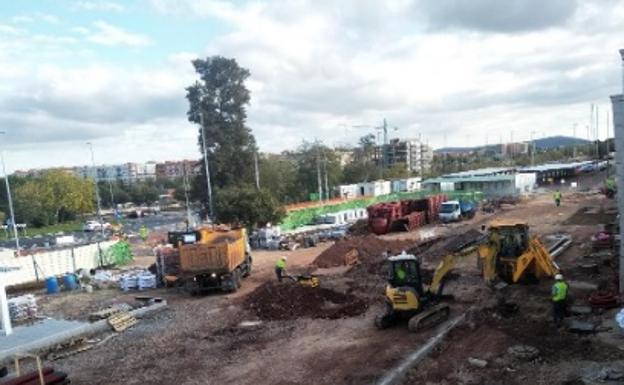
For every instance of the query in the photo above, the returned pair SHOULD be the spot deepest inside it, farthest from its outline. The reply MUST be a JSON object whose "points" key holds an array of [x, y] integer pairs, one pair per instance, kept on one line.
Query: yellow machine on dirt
{"points": [[511, 254], [407, 297], [506, 252]]}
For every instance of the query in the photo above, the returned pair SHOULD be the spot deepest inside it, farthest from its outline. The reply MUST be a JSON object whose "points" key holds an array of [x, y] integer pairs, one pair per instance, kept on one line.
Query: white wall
{"points": [[348, 191], [50, 263], [618, 124], [525, 182]]}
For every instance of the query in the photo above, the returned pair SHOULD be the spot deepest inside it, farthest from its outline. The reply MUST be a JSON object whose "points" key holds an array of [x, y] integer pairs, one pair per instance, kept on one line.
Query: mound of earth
{"points": [[288, 300], [370, 249]]}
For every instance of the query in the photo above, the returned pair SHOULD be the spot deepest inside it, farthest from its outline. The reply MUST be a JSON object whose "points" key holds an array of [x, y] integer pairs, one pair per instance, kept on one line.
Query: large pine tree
{"points": [[222, 97]]}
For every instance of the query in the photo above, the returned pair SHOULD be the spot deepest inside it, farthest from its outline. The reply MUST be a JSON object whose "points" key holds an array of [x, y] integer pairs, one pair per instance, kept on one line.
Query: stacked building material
{"points": [[168, 261], [22, 307], [137, 280]]}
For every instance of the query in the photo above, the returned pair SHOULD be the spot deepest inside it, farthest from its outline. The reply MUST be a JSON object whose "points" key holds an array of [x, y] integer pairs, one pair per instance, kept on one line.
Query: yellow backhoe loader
{"points": [[510, 253], [506, 252]]}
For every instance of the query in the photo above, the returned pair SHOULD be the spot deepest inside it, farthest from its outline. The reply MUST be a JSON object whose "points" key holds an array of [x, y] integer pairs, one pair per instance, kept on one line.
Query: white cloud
{"points": [[107, 34], [106, 6], [9, 30], [318, 67], [22, 19]]}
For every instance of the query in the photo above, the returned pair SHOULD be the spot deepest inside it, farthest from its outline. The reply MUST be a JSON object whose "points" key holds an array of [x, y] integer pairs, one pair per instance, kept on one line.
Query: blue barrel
{"points": [[69, 281], [52, 285]]}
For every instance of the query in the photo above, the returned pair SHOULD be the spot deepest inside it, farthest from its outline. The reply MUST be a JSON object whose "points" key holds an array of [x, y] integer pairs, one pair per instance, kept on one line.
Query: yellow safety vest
{"points": [[280, 264], [559, 291]]}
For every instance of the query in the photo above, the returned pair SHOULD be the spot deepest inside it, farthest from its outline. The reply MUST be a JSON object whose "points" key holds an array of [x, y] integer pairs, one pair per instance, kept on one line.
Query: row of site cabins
{"points": [[379, 187], [493, 181]]}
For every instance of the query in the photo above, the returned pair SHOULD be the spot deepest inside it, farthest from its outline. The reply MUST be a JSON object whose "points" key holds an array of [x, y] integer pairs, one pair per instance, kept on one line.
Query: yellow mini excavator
{"points": [[407, 297], [506, 252]]}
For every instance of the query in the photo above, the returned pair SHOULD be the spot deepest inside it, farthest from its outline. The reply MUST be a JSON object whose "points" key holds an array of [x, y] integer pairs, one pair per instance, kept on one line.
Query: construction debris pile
{"points": [[23, 307], [167, 261], [369, 249], [274, 301]]}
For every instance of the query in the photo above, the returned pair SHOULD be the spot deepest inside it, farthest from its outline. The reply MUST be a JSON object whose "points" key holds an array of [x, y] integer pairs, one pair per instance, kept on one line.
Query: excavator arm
{"points": [[446, 265]]}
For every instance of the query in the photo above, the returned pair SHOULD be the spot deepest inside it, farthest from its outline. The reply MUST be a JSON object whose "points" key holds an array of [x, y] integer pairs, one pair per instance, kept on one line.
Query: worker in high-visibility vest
{"points": [[559, 299], [557, 197], [280, 268]]}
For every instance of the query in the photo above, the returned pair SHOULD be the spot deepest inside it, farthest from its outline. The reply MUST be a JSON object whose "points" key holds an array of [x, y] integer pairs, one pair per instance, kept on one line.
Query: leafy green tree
{"points": [[278, 174], [308, 158], [247, 205], [221, 97], [396, 171], [52, 198], [360, 171]]}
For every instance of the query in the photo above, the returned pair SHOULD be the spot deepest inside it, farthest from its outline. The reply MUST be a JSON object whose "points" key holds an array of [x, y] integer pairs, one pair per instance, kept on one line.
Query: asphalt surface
{"points": [[168, 221]]}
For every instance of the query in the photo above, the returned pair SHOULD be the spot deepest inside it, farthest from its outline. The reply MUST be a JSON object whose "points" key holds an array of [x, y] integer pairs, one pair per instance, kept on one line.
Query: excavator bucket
{"points": [[537, 257]]}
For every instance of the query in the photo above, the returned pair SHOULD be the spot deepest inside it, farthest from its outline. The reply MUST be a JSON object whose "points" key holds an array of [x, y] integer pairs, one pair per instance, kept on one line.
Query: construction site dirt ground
{"points": [[239, 339]]}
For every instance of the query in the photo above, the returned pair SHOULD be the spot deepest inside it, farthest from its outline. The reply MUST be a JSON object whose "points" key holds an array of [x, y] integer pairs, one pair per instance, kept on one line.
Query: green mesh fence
{"points": [[118, 254], [303, 217]]}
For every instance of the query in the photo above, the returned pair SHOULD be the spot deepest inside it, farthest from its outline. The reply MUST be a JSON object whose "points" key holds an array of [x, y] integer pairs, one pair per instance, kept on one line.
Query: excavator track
{"points": [[429, 318]]}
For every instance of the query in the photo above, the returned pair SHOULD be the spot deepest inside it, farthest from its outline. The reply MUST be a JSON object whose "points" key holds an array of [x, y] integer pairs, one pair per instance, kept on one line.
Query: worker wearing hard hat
{"points": [[559, 299], [280, 268]]}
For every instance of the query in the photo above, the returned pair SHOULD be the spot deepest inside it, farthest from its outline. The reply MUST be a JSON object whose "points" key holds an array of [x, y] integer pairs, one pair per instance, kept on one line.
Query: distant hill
{"points": [[558, 141], [542, 144]]}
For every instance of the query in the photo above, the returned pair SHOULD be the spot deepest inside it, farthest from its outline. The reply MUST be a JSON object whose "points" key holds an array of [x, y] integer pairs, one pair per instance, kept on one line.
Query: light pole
{"points": [[203, 138], [10, 201], [533, 148], [97, 193]]}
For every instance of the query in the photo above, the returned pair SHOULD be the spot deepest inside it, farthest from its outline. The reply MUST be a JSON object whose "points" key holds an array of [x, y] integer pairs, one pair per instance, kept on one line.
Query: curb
{"points": [[88, 329]]}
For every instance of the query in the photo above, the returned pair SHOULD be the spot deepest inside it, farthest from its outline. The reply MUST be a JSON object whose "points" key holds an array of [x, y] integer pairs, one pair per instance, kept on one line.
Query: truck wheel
{"points": [[236, 276], [248, 264], [230, 285]]}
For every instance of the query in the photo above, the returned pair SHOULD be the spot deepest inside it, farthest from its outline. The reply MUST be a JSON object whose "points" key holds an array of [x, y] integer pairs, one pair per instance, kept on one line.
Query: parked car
{"points": [[95, 226]]}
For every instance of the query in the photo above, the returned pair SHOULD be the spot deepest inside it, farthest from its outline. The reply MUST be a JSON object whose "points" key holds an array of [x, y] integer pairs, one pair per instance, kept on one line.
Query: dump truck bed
{"points": [[218, 251]]}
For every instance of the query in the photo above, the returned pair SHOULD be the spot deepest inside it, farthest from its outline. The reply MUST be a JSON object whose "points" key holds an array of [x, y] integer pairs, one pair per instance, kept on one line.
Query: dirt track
{"points": [[201, 341]]}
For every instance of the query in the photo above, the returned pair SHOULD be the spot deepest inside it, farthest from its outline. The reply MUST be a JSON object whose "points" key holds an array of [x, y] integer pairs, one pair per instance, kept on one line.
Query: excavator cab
{"points": [[407, 297], [405, 271]]}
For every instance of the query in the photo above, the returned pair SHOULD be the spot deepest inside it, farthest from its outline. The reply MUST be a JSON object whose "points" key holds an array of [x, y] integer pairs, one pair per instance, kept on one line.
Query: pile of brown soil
{"points": [[288, 300], [451, 244], [370, 249]]}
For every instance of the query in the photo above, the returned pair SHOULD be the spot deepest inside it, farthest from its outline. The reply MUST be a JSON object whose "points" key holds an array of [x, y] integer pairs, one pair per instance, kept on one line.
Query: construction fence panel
{"points": [[51, 263]]}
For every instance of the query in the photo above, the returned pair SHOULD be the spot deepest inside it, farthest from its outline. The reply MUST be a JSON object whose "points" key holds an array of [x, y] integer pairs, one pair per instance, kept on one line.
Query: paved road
{"points": [[167, 221]]}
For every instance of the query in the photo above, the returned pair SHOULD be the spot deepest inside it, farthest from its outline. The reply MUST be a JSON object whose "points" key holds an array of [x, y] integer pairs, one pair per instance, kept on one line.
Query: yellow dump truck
{"points": [[219, 259]]}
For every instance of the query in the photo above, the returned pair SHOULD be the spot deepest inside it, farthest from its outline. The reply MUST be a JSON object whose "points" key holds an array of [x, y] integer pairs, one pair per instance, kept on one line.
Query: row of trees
{"points": [[51, 198]]}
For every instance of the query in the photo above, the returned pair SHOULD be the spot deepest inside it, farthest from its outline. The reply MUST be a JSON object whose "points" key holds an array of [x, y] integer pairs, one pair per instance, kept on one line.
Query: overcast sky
{"points": [[454, 72]]}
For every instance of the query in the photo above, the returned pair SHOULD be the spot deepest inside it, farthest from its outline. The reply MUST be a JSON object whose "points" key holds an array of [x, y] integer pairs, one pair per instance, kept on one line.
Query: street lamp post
{"points": [[10, 201], [97, 193], [203, 138]]}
